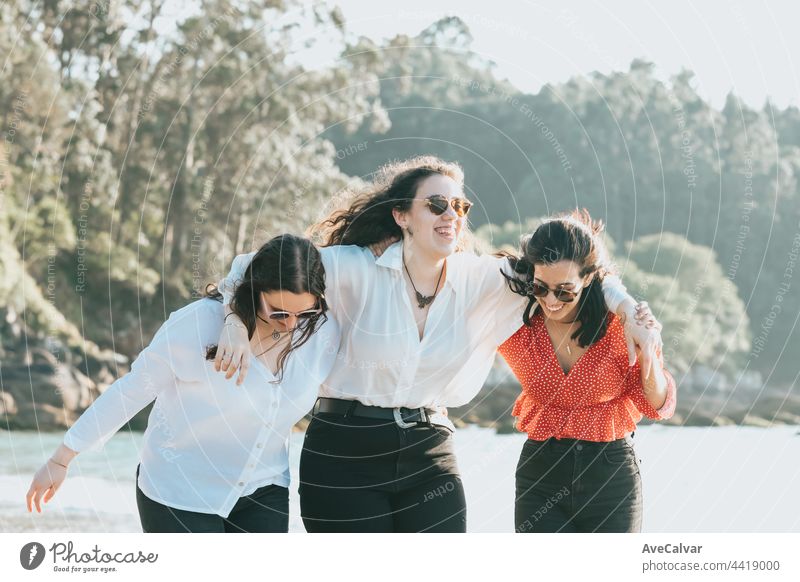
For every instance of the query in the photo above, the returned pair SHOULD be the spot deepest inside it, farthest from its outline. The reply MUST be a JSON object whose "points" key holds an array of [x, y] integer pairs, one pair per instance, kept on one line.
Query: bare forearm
{"points": [[655, 387]]}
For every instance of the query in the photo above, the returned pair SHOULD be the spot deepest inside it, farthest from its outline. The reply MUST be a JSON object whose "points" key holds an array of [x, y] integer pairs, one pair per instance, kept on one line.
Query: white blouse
{"points": [[208, 441], [382, 361]]}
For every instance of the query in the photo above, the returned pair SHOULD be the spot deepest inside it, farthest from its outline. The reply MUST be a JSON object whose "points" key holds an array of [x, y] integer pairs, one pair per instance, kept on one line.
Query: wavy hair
{"points": [[573, 236], [369, 219], [284, 263]]}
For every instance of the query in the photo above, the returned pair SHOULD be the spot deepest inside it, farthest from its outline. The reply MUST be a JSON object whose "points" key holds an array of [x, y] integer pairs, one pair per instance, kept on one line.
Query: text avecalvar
{"points": [[671, 549]]}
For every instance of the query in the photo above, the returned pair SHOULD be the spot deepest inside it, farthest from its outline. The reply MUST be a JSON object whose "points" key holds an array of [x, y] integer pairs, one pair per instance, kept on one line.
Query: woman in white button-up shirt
{"points": [[420, 328], [214, 456]]}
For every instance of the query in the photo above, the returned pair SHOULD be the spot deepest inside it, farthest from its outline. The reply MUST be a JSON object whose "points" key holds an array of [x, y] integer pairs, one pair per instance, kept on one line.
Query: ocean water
{"points": [[716, 479]]}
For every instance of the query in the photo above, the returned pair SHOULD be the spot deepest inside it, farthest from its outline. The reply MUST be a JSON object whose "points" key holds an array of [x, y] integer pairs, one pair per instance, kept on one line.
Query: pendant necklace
{"points": [[569, 349], [424, 300], [276, 335]]}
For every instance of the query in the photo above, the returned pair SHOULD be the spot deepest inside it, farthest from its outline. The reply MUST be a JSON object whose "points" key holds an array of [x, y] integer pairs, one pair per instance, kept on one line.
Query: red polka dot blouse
{"points": [[600, 399]]}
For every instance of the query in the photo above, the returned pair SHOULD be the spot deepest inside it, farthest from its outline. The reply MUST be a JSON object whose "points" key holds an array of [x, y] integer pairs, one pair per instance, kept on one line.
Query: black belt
{"points": [[404, 417]]}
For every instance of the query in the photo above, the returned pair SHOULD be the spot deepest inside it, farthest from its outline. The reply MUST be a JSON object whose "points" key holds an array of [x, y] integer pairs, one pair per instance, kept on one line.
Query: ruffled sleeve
{"points": [[635, 391]]}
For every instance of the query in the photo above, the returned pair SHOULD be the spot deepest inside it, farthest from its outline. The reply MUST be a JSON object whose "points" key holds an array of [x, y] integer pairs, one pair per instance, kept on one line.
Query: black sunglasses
{"points": [[563, 295], [438, 205]]}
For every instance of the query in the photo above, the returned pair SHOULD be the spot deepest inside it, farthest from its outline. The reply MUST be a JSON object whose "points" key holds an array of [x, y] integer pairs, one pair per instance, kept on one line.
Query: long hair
{"points": [[369, 217], [284, 263], [568, 237]]}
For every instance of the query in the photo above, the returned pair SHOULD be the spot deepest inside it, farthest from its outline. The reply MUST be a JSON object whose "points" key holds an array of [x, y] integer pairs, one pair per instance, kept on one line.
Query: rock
{"points": [[39, 417], [7, 404], [753, 420], [40, 392], [40, 357]]}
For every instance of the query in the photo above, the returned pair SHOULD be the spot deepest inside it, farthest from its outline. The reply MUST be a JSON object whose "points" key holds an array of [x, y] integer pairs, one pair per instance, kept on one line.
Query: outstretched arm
{"points": [[112, 409]]}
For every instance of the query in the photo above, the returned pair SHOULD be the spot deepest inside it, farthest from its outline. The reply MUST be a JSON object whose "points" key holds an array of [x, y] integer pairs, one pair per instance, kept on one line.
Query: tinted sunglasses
{"points": [[541, 291], [284, 315], [438, 205]]}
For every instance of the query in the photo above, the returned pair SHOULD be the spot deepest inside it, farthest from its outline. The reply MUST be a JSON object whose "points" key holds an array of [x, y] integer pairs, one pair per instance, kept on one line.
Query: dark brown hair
{"points": [[369, 219], [284, 263], [568, 237]]}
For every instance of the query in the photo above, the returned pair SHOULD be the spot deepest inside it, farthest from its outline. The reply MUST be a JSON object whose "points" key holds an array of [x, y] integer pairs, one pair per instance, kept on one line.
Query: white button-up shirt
{"points": [[208, 441], [382, 361]]}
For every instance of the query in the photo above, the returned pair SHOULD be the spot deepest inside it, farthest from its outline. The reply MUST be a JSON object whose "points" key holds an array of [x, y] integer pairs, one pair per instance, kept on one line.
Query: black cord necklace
{"points": [[424, 300]]}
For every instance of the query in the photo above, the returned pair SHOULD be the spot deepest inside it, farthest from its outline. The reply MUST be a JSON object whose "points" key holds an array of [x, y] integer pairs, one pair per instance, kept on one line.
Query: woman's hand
{"points": [[645, 317], [48, 478], [233, 349], [642, 331]]}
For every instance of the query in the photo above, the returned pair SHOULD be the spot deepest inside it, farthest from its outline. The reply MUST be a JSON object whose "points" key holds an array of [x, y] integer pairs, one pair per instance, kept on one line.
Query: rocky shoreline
{"points": [[42, 392]]}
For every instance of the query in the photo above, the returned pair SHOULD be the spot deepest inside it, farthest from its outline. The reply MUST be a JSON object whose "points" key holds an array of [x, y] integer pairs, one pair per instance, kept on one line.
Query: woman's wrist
{"points": [[63, 455], [626, 309]]}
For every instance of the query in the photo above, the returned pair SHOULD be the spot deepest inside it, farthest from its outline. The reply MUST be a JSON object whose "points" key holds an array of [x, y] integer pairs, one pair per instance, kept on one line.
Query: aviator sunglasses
{"points": [[438, 205]]}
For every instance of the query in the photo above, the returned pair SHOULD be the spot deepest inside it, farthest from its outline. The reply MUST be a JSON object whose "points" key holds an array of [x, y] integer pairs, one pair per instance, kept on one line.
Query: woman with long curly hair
{"points": [[420, 327]]}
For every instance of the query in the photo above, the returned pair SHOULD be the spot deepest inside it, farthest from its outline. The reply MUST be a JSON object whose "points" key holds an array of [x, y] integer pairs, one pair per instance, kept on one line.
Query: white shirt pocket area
{"points": [[208, 441]]}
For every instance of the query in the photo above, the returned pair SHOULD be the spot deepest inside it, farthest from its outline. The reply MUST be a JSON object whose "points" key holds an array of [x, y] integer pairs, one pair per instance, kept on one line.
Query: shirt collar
{"points": [[392, 258]]}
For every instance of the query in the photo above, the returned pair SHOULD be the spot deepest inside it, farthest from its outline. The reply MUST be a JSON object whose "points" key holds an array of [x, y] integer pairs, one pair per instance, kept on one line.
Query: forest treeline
{"points": [[135, 162]]}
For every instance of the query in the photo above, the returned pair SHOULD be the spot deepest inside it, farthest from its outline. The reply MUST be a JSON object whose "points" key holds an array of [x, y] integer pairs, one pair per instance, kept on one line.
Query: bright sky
{"points": [[752, 47]]}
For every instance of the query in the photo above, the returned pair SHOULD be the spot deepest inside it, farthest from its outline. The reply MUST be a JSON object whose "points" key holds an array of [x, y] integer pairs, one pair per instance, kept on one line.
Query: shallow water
{"points": [[695, 479]]}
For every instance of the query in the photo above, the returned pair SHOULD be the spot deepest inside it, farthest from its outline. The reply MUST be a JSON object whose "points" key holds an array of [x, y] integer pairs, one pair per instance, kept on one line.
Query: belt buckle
{"points": [[398, 418]]}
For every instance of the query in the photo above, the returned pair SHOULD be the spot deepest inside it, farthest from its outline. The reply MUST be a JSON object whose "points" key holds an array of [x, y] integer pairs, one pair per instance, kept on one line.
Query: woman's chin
{"points": [[441, 249]]}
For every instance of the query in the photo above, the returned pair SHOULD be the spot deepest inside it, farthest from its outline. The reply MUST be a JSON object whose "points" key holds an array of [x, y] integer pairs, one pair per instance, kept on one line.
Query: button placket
{"points": [[255, 454]]}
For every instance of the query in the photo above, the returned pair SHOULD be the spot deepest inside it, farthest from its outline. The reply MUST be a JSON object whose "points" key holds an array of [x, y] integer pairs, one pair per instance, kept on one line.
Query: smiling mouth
{"points": [[554, 309], [446, 232]]}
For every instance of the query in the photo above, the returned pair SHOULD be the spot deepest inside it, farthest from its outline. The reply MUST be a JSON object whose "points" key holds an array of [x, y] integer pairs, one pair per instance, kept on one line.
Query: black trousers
{"points": [[365, 475], [569, 485], [266, 510]]}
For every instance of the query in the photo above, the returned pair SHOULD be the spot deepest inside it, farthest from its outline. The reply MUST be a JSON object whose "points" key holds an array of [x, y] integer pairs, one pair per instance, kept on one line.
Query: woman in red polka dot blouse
{"points": [[580, 399]]}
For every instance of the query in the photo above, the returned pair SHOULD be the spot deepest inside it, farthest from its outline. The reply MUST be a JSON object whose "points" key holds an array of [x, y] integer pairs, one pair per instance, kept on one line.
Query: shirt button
{"points": [[259, 445], [241, 483], [579, 447]]}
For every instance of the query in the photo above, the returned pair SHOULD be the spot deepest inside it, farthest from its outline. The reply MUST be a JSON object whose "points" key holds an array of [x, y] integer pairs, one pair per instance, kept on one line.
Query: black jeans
{"points": [[365, 475], [569, 485], [266, 510]]}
